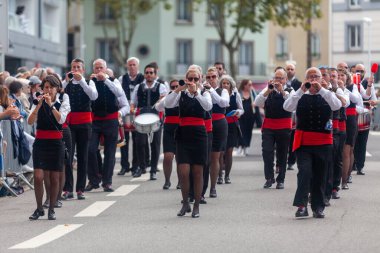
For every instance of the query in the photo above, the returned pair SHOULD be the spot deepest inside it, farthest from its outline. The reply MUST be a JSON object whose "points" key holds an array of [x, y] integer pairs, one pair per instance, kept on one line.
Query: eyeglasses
{"points": [[149, 73], [191, 79], [359, 71], [278, 78], [174, 87], [313, 77], [209, 77], [220, 68]]}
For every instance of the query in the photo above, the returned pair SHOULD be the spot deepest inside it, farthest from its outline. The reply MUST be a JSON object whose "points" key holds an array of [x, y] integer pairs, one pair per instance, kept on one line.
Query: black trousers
{"points": [[360, 149], [80, 136], [109, 130], [142, 146], [272, 139], [332, 169], [291, 155], [124, 151], [338, 162], [312, 163], [68, 186]]}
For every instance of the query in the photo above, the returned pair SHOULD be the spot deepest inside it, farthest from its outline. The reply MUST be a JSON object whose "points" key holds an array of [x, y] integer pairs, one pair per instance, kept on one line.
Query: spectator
{"points": [[15, 90], [41, 73]]}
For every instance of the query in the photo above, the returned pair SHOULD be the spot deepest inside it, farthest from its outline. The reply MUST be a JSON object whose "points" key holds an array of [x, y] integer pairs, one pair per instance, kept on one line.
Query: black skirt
{"points": [[351, 129], [169, 143], [219, 132], [49, 154], [191, 145], [233, 135]]}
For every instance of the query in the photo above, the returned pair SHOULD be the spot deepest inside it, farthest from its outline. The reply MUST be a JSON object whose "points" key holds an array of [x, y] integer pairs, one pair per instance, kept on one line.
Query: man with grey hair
{"points": [[313, 140], [276, 127], [128, 81]]}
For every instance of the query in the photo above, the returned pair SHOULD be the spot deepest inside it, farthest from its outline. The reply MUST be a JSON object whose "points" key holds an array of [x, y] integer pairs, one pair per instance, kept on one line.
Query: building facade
{"points": [[37, 35], [175, 39], [290, 44]]}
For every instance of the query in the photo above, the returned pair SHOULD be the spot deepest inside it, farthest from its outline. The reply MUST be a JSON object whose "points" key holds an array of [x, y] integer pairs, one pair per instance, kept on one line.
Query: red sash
{"points": [[232, 119], [114, 115], [342, 126], [171, 120], [218, 116], [303, 138], [48, 134], [76, 118], [276, 124], [351, 112], [208, 125], [335, 124], [191, 121]]}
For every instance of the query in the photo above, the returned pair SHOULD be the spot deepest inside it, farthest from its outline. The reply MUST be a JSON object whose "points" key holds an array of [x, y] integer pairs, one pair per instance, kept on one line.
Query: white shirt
{"points": [[89, 88], [134, 98], [123, 105], [240, 109], [291, 103], [223, 100], [172, 99], [260, 99]]}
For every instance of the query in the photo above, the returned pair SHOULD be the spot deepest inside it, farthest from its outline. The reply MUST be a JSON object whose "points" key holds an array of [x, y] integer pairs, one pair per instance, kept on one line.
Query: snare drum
{"points": [[128, 122], [147, 123], [364, 120]]}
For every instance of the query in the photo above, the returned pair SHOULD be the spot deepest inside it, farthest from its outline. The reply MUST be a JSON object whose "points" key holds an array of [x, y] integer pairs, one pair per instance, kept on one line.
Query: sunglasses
{"points": [[191, 79], [149, 73], [359, 71], [209, 77], [174, 87]]}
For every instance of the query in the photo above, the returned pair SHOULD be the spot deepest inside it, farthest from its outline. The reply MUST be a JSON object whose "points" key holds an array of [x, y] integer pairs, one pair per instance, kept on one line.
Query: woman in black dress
{"points": [[191, 136], [48, 147]]}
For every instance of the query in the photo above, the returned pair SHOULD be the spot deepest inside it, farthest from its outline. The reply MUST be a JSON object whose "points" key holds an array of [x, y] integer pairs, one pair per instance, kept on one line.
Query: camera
{"points": [[181, 82], [70, 75], [307, 85], [35, 101]]}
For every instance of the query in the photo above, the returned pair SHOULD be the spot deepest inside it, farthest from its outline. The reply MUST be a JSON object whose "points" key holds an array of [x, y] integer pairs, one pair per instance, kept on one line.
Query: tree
{"points": [[251, 15]]}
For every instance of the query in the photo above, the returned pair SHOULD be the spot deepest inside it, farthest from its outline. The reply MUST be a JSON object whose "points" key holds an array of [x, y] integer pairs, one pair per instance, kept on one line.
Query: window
{"points": [[246, 58], [104, 11], [354, 3], [184, 55], [354, 37], [281, 47], [184, 11], [213, 13], [315, 46], [214, 51], [104, 50]]}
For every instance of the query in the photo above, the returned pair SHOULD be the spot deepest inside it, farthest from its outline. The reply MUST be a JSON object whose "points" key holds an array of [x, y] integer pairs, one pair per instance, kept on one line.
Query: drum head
{"points": [[147, 119]]}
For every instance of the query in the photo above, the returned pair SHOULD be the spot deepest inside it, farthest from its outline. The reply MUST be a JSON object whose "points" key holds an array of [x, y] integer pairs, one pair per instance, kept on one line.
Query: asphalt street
{"points": [[244, 218]]}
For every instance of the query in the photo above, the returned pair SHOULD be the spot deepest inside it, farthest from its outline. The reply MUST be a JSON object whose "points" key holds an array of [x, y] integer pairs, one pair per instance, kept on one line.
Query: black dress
{"points": [[246, 122]]}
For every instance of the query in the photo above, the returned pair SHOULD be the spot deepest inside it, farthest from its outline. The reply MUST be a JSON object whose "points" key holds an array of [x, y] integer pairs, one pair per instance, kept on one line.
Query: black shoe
{"points": [[345, 187], [191, 199], [195, 213], [227, 180], [108, 188], [269, 183], [318, 213], [37, 214], [80, 195], [58, 204], [302, 212], [51, 215], [220, 180], [46, 204], [122, 172], [178, 186], [327, 202], [335, 195], [153, 176], [349, 180], [90, 187], [280, 185], [143, 171], [137, 172], [213, 193], [203, 200], [290, 167], [166, 185], [360, 172], [185, 209], [67, 195]]}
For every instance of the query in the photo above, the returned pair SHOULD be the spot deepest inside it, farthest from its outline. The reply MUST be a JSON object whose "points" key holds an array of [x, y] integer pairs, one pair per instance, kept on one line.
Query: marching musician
{"points": [[276, 128], [106, 112], [144, 97], [191, 136], [312, 140]]}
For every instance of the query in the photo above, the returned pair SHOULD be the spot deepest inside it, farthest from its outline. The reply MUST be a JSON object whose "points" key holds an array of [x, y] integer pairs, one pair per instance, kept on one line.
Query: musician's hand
{"points": [[279, 87], [67, 79], [180, 88], [93, 76], [47, 99], [317, 86], [207, 85], [132, 109], [11, 111], [324, 84], [303, 88], [373, 102], [191, 87], [77, 76], [101, 76], [370, 81], [341, 84]]}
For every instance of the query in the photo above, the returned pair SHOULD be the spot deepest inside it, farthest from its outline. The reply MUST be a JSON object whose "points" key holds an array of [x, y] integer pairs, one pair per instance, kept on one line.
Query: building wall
{"points": [[297, 43]]}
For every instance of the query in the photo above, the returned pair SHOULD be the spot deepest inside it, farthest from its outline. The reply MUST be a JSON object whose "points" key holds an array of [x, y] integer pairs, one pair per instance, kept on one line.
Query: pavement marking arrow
{"points": [[47, 237], [95, 209]]}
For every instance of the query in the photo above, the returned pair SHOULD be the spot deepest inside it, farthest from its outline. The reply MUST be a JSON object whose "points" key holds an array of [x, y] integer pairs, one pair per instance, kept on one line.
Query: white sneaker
{"points": [[244, 152], [26, 169]]}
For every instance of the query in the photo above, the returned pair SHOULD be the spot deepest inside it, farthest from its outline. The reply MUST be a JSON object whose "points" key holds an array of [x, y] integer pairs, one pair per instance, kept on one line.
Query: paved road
{"points": [[244, 218]]}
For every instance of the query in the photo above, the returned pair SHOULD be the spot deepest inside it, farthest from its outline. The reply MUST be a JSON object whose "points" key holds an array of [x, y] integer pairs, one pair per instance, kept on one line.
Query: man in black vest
{"points": [[367, 91], [144, 96], [105, 123], [81, 93], [128, 82]]}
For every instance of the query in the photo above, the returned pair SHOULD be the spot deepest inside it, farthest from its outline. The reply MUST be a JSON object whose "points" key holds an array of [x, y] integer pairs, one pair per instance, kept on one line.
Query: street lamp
{"points": [[368, 21]]}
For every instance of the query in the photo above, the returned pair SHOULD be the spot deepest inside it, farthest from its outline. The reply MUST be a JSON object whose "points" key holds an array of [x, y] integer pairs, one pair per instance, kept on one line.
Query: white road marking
{"points": [[123, 190], [375, 133], [256, 131], [144, 177], [367, 154], [95, 209], [47, 237]]}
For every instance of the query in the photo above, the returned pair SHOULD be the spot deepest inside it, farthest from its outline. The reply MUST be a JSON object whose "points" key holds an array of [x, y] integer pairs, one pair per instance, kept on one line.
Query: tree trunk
{"points": [[308, 43], [231, 53]]}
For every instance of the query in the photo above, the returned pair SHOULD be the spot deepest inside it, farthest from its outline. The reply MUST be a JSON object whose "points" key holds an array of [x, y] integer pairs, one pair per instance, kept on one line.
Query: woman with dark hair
{"points": [[15, 92], [48, 148]]}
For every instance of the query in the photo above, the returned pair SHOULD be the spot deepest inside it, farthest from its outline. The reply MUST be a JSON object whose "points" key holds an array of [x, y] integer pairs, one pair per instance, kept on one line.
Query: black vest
{"points": [[314, 114], [146, 98], [46, 119], [350, 88], [79, 101], [129, 85], [342, 113], [215, 107], [106, 103], [233, 103], [274, 106], [190, 107]]}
